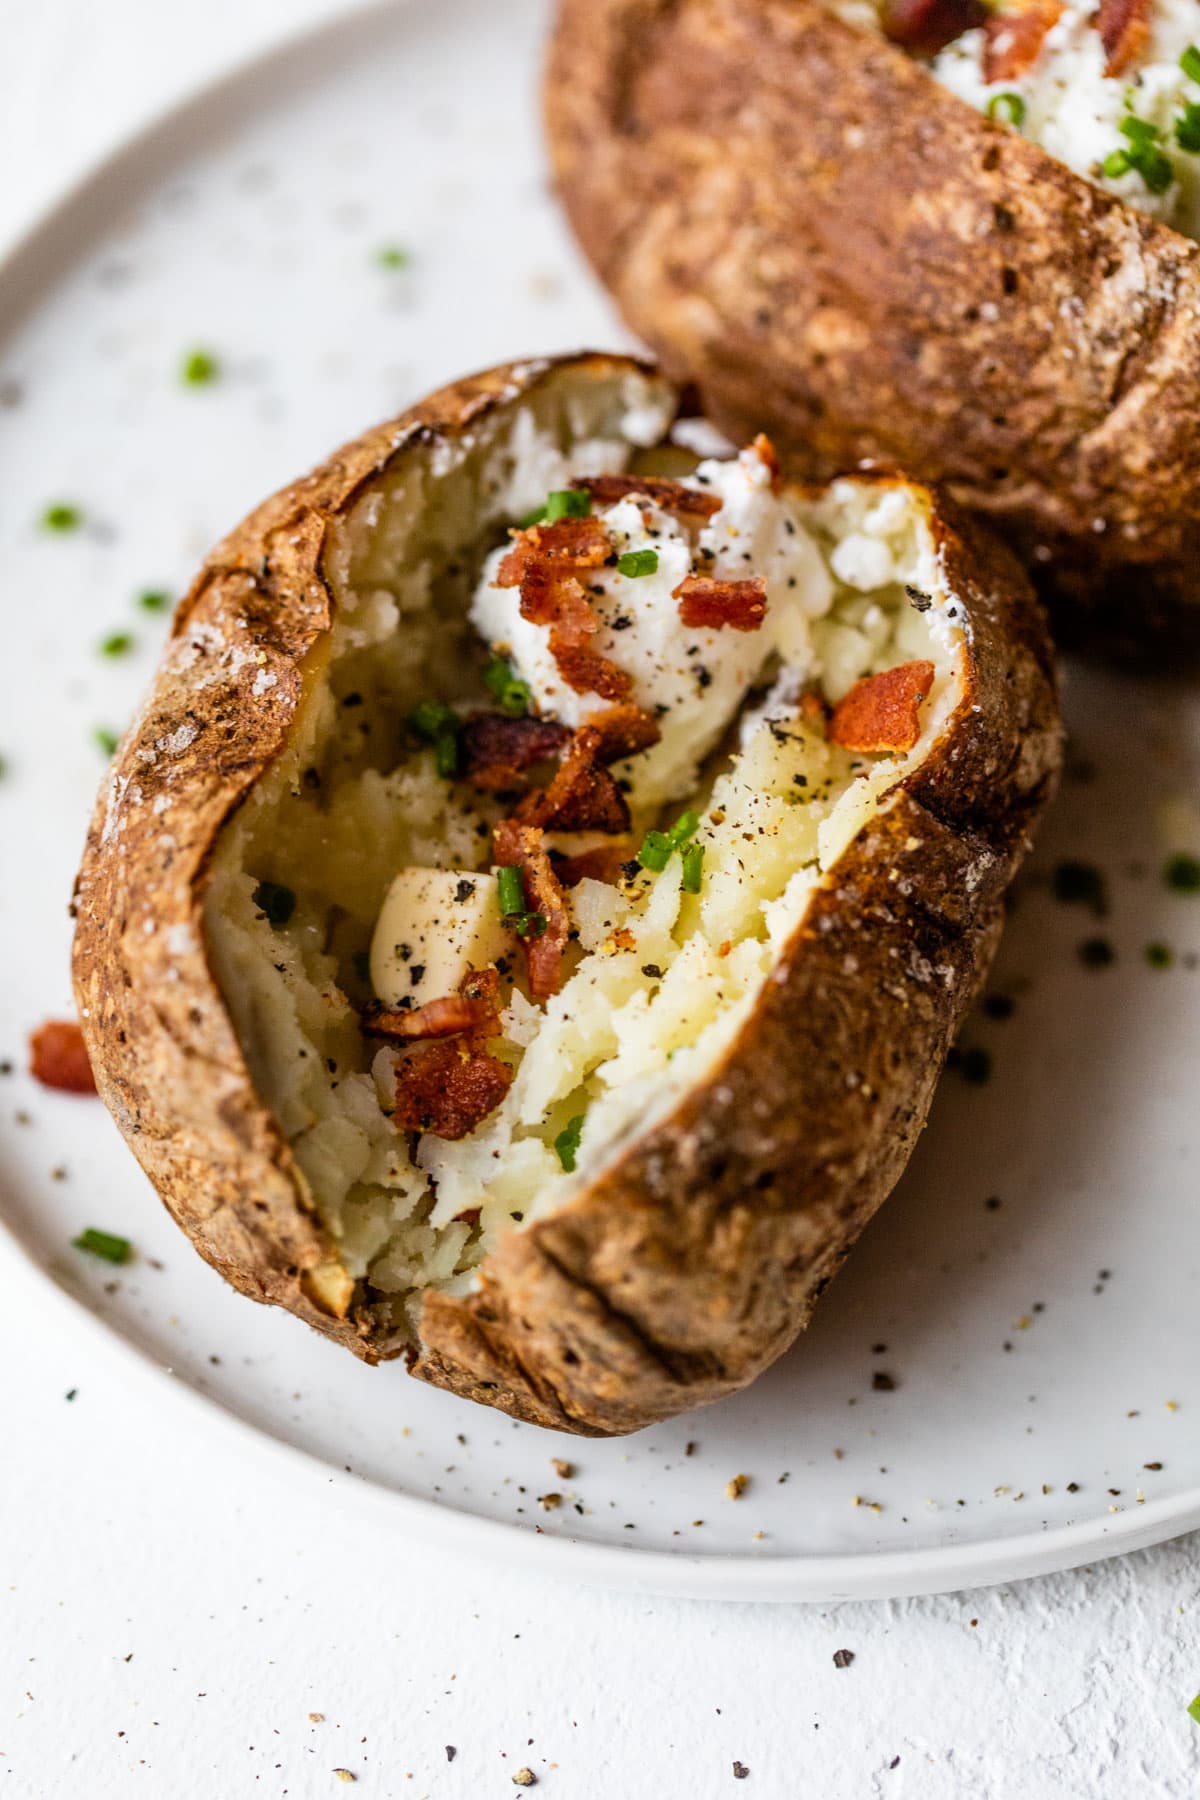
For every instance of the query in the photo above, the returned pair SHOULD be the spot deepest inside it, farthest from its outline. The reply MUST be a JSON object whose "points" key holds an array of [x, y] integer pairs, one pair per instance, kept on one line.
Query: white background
{"points": [[169, 1622]]}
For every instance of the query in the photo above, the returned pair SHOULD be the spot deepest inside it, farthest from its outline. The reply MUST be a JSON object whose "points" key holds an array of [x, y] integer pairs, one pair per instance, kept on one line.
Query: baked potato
{"points": [[525, 924], [801, 218]]}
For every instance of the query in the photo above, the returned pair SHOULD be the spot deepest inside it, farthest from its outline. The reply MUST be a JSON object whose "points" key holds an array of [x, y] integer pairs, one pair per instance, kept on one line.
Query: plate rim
{"points": [[30, 263]]}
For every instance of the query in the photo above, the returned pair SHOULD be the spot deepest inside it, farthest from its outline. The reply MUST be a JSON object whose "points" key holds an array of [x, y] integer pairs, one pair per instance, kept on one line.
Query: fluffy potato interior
{"points": [[656, 978]]}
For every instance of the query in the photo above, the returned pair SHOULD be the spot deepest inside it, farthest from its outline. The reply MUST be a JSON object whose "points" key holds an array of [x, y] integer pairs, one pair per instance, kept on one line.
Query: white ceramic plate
{"points": [[1032, 1289]]}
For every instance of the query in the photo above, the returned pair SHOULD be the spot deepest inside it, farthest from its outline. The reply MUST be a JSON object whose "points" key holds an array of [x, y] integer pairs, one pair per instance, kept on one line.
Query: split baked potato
{"points": [[524, 926], [809, 222]]}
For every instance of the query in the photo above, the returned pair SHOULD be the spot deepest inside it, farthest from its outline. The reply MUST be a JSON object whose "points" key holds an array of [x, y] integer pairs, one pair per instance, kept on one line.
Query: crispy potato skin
{"points": [[838, 251], [681, 1272]]}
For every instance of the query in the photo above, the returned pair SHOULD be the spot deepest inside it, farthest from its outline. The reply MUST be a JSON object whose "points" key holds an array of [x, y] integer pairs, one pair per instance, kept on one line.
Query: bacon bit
{"points": [[447, 1017], [1124, 27], [58, 1058], [1014, 37], [813, 709], [448, 1088], [882, 712], [575, 622], [587, 673], [568, 544], [672, 496], [601, 863], [706, 602], [927, 26], [767, 454], [521, 846], [624, 730], [468, 1216], [581, 796], [497, 750]]}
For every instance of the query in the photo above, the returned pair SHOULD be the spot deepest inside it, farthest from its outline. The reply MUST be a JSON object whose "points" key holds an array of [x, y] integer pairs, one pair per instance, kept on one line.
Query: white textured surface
{"points": [[242, 1610]]}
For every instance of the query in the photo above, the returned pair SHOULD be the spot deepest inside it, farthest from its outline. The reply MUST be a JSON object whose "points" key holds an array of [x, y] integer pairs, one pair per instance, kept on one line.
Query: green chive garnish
{"points": [[1138, 131], [658, 846], [1187, 127], [276, 901], [1008, 108], [105, 1244], [117, 643], [199, 368], [693, 862], [567, 1142], [393, 256], [511, 693], [1182, 874], [437, 724], [1194, 1708], [1189, 62], [685, 827], [568, 503], [1143, 156], [61, 516], [106, 740], [445, 754], [511, 891], [154, 600], [638, 562], [531, 924], [534, 518]]}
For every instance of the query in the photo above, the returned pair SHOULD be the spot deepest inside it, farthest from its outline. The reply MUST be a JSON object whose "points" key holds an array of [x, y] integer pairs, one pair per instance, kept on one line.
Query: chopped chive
{"points": [[1189, 62], [1187, 127], [685, 827], [511, 693], [106, 740], [1182, 873], [1138, 131], [154, 600], [537, 517], [1116, 163], [655, 852], [117, 643], [199, 368], [393, 256], [693, 862], [445, 754], [430, 719], [531, 924], [1008, 108], [1159, 956], [638, 562], [276, 901], [1194, 1708], [1143, 155], [511, 892], [567, 1142], [568, 503], [62, 516], [105, 1244]]}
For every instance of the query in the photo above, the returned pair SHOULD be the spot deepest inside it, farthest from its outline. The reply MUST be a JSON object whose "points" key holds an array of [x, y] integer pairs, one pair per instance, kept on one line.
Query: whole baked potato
{"points": [[523, 928], [806, 220]]}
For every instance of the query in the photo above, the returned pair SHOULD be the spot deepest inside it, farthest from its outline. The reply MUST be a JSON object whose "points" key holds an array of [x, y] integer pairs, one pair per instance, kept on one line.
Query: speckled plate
{"points": [[1005, 1378]]}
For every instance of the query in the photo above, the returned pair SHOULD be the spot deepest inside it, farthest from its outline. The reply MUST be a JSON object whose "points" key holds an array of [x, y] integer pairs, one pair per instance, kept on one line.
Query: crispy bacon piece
{"points": [[767, 454], [582, 795], [927, 26], [882, 712], [575, 622], [521, 846], [567, 544], [1014, 37], [447, 1017], [672, 496], [1124, 26], [498, 750], [706, 602], [601, 863], [624, 730], [588, 673], [448, 1088], [58, 1057]]}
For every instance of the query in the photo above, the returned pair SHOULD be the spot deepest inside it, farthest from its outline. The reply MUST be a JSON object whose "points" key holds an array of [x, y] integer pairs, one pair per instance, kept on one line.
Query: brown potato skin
{"points": [[836, 250], [678, 1274]]}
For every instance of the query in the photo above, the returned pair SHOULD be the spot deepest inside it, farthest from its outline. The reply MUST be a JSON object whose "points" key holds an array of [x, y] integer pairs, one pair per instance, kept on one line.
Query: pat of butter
{"points": [[433, 927]]}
